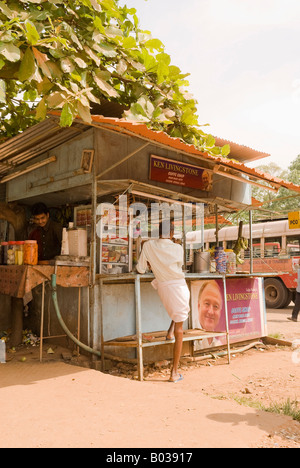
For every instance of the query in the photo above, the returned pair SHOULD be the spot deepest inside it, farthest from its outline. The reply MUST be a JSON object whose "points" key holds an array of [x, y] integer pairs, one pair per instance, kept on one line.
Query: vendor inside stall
{"points": [[46, 232]]}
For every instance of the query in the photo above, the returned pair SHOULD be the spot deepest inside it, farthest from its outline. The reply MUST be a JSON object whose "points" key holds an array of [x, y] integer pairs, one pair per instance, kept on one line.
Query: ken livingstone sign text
{"points": [[178, 173]]}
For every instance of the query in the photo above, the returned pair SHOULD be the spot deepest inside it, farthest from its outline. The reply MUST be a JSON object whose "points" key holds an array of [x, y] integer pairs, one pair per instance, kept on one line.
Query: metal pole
{"points": [[101, 323], [226, 318], [42, 321], [78, 318], [251, 242], [217, 225], [92, 298], [138, 326]]}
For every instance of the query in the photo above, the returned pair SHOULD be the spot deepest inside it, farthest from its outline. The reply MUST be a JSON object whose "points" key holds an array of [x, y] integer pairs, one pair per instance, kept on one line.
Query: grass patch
{"points": [[277, 336], [288, 408]]}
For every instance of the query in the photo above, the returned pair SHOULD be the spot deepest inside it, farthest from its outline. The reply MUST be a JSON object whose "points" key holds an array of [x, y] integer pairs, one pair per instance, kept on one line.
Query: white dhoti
{"points": [[175, 296]]}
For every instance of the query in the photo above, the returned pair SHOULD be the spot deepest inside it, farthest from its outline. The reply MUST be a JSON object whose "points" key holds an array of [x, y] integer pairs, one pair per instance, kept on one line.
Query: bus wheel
{"points": [[276, 293], [289, 299]]}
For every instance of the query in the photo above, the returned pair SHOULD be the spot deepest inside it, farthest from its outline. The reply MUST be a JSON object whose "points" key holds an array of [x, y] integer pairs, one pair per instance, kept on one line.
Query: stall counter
{"points": [[241, 316]]}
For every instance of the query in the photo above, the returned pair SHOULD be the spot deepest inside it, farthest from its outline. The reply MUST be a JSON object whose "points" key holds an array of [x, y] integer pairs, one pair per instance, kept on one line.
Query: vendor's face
{"points": [[210, 307], [41, 219]]}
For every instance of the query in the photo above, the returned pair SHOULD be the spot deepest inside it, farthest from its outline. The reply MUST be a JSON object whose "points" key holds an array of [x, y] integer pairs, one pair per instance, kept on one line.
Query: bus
{"points": [[276, 250]]}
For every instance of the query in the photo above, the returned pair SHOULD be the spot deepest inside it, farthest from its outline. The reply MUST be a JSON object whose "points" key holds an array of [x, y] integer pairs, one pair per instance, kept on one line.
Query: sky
{"points": [[243, 57]]}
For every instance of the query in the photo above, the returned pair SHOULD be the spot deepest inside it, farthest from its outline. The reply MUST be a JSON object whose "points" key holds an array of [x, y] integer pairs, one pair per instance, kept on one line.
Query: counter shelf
{"points": [[139, 343]]}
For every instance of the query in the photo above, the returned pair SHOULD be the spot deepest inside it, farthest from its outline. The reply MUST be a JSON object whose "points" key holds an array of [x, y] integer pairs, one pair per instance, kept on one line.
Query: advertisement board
{"points": [[245, 305], [178, 173]]}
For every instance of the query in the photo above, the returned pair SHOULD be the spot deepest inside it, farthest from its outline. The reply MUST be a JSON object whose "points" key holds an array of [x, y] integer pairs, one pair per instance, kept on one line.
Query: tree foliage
{"points": [[282, 202], [67, 54]]}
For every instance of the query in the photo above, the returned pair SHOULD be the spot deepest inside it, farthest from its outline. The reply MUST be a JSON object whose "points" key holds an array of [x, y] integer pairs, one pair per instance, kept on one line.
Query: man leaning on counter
{"points": [[46, 232]]}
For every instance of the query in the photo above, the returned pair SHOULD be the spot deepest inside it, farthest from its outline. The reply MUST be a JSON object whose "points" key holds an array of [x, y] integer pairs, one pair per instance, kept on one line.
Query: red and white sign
{"points": [[178, 173]]}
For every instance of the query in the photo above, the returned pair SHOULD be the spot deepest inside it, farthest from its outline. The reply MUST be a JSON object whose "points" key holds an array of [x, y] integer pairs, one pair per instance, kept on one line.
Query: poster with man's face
{"points": [[245, 305]]}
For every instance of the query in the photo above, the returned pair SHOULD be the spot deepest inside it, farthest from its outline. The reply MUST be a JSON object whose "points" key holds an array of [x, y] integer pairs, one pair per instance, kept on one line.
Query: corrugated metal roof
{"points": [[35, 141], [48, 134], [241, 153]]}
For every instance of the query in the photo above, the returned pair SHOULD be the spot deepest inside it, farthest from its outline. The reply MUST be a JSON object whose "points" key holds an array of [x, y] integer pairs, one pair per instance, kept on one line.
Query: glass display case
{"points": [[115, 256]]}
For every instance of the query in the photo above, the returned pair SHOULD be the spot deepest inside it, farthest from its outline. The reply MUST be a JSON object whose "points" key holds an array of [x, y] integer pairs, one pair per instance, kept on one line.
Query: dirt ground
{"points": [[58, 404]]}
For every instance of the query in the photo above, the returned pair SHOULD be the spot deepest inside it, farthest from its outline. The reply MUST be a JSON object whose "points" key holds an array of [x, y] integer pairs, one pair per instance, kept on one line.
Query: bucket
{"points": [[201, 262], [77, 242]]}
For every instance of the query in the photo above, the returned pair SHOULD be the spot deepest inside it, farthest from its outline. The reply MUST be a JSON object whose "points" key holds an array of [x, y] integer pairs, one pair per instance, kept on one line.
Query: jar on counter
{"points": [[4, 249], [30, 252], [230, 262], [220, 258], [11, 253], [19, 253]]}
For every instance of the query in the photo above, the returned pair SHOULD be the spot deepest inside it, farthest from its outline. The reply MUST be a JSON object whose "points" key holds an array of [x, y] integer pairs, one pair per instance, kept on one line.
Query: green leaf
{"points": [[84, 112], [154, 44], [7, 12], [55, 100], [189, 117], [41, 110], [2, 91], [66, 117], [105, 86], [129, 42], [28, 66], [225, 150], [210, 141], [10, 51], [31, 33]]}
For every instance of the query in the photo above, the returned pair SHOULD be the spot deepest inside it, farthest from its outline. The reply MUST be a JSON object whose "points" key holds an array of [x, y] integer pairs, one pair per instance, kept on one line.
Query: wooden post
{"points": [[226, 318]]}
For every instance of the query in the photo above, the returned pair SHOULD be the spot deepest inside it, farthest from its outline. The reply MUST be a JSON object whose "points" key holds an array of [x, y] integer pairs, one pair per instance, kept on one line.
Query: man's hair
{"points": [[39, 208]]}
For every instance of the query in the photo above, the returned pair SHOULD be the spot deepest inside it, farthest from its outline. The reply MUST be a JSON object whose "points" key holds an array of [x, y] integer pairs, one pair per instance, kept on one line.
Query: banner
{"points": [[245, 304], [178, 173]]}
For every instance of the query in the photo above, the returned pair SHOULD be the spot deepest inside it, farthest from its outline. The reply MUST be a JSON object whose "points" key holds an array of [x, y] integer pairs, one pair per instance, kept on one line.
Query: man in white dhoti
{"points": [[166, 261]]}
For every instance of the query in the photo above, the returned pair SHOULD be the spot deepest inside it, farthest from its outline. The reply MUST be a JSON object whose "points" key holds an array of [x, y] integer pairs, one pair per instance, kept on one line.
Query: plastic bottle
{"points": [[230, 262], [19, 253], [220, 258], [11, 256], [65, 242]]}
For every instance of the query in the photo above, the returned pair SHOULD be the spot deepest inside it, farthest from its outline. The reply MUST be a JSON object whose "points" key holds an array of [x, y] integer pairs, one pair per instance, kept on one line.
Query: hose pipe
{"points": [[62, 323]]}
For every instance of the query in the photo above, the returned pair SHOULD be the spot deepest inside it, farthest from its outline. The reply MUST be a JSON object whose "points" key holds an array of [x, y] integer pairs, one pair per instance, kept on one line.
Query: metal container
{"points": [[2, 352], [201, 262]]}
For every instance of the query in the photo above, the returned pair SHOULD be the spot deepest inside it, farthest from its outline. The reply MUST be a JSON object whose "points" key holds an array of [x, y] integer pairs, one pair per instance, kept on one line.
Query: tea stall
{"points": [[111, 173]]}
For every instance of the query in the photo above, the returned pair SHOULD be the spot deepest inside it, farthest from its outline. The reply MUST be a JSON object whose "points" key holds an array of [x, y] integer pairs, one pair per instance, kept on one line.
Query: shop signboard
{"points": [[245, 304], [294, 220], [180, 174]]}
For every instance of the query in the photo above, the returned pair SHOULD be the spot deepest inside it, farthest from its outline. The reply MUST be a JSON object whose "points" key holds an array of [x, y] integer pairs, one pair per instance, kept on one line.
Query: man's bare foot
{"points": [[175, 378], [170, 337]]}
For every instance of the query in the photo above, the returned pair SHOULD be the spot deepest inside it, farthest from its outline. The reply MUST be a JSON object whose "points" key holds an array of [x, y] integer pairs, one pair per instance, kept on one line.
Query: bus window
{"points": [[272, 249], [293, 245], [256, 249]]}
